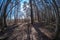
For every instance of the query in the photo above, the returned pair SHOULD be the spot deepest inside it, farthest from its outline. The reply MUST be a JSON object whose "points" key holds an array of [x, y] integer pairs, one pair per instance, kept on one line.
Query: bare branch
{"points": [[12, 8]]}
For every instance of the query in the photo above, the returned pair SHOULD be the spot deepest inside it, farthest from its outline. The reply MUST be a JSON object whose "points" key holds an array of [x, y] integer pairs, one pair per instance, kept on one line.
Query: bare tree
{"points": [[31, 11], [37, 10], [57, 19], [4, 12]]}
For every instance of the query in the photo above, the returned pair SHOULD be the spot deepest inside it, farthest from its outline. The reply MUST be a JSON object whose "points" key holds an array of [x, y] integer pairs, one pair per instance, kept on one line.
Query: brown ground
{"points": [[23, 31]]}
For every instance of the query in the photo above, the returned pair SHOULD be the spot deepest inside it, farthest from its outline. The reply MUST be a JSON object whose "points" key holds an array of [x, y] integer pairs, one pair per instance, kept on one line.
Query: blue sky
{"points": [[22, 1], [21, 13]]}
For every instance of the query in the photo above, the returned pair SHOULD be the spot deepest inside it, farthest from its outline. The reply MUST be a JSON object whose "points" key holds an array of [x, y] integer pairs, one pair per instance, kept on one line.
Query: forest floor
{"points": [[22, 32]]}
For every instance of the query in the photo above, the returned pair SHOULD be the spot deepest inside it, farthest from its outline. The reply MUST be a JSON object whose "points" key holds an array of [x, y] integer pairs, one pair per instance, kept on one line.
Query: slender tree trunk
{"points": [[4, 16], [4, 19], [57, 20], [4, 12], [31, 11]]}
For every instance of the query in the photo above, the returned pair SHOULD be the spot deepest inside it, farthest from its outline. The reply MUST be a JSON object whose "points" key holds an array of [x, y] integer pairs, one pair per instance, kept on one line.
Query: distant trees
{"points": [[48, 12], [4, 12], [10, 12], [42, 10], [37, 10], [16, 11], [57, 19]]}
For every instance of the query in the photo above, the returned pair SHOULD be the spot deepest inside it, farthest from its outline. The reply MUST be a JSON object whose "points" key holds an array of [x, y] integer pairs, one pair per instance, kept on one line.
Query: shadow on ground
{"points": [[41, 35], [8, 32]]}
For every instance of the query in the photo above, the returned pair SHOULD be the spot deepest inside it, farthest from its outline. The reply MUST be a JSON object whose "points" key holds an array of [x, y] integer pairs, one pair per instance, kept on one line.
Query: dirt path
{"points": [[22, 32]]}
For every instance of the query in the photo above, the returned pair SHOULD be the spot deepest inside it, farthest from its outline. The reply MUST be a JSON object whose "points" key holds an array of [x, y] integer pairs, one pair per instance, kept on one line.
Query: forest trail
{"points": [[21, 32]]}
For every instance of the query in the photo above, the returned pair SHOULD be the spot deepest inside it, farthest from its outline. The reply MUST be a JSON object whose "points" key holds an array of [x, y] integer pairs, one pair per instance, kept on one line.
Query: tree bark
{"points": [[57, 20], [31, 11], [4, 13]]}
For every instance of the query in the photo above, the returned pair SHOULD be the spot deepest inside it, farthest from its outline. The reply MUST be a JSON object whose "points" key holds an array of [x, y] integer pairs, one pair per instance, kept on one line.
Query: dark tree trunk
{"points": [[31, 12], [57, 20], [4, 13], [5, 24]]}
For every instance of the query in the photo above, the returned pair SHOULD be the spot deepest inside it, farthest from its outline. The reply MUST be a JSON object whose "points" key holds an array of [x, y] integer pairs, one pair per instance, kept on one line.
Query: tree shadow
{"points": [[8, 32], [41, 36]]}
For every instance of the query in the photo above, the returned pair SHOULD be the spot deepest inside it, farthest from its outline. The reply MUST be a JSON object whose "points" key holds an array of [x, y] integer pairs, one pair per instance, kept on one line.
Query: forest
{"points": [[29, 19]]}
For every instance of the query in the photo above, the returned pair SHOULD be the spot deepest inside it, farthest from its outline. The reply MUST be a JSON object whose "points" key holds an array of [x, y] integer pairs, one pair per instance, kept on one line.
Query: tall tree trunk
{"points": [[31, 11], [5, 24], [4, 12], [57, 20]]}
